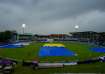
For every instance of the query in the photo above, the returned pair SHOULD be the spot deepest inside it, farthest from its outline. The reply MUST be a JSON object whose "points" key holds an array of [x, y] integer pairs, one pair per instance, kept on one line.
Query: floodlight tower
{"points": [[76, 27], [23, 27]]}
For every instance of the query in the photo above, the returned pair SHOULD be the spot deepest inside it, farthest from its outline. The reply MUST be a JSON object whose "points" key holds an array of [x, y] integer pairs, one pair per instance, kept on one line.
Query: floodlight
{"points": [[76, 26], [23, 25]]}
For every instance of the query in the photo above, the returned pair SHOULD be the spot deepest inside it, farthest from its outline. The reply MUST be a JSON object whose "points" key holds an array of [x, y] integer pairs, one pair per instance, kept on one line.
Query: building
{"points": [[25, 37], [55, 37]]}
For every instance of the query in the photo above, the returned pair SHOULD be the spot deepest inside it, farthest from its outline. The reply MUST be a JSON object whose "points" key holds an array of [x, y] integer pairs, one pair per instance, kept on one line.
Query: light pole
{"points": [[23, 27], [76, 28]]}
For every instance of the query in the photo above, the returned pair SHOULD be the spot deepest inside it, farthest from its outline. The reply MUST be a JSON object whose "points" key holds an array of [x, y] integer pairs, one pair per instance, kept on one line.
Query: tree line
{"points": [[6, 36]]}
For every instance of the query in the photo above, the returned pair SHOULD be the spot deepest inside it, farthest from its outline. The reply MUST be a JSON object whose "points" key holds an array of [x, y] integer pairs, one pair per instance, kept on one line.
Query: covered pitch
{"points": [[55, 50], [98, 49], [15, 45]]}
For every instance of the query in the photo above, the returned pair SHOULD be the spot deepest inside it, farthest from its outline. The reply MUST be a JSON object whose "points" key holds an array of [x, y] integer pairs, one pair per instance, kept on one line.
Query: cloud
{"points": [[52, 16]]}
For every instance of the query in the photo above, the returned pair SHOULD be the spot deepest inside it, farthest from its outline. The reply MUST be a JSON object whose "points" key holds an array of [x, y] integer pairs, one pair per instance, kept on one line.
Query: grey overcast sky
{"points": [[52, 16]]}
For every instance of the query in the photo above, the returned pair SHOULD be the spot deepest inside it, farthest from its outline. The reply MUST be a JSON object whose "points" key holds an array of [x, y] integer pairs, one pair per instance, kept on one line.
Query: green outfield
{"points": [[31, 53]]}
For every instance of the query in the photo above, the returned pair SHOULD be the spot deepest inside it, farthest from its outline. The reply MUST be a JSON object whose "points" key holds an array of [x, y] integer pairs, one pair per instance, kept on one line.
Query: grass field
{"points": [[31, 53]]}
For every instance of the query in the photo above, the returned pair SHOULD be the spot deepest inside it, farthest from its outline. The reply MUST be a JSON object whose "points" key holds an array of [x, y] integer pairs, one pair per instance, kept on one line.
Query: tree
{"points": [[6, 36]]}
